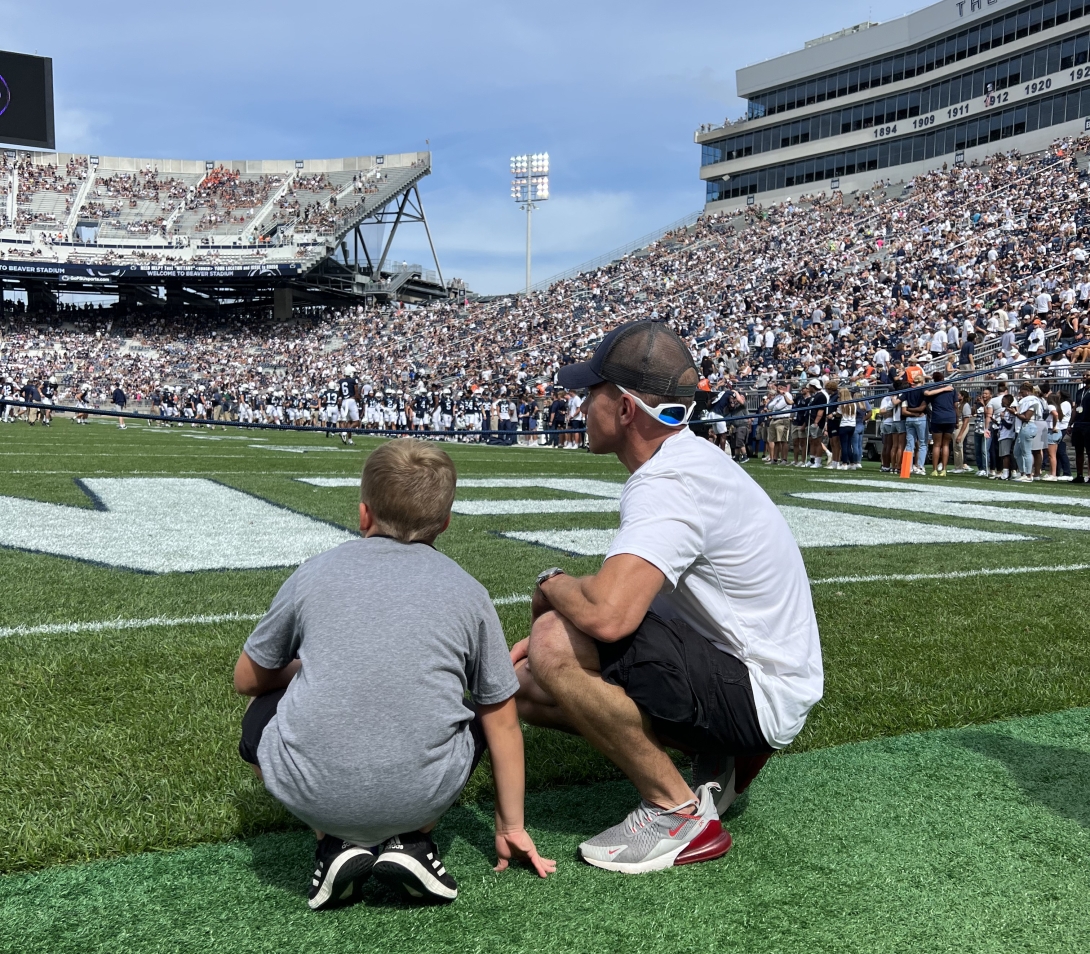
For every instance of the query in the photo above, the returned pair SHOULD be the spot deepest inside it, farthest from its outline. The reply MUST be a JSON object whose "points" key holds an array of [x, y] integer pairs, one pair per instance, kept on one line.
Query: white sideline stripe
{"points": [[509, 600], [49, 629], [953, 574]]}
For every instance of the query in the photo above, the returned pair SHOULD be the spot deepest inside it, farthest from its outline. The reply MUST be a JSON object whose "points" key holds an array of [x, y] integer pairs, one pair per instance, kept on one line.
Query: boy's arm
{"points": [[254, 680], [503, 735]]}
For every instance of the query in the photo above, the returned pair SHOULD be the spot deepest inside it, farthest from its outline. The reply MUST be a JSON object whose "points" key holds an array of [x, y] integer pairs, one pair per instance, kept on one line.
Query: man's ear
{"points": [[367, 519]]}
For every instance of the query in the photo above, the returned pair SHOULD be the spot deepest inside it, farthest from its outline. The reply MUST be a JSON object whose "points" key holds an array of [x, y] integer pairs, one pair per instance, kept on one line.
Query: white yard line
{"points": [[953, 574], [50, 629]]}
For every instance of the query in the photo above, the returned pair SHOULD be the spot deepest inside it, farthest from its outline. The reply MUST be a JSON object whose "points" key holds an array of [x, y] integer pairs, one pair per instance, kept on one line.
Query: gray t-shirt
{"points": [[372, 737]]}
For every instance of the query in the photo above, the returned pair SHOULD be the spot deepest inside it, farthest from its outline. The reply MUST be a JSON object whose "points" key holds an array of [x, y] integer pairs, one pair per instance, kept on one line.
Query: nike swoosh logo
{"points": [[674, 831], [613, 851]]}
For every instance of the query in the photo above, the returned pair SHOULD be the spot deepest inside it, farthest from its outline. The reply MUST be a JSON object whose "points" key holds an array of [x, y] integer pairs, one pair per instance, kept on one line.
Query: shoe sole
{"points": [[342, 873], [413, 878], [713, 842]]}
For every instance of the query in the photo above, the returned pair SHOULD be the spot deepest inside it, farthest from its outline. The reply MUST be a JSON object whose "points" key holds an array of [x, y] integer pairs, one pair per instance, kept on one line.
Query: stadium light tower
{"points": [[529, 184]]}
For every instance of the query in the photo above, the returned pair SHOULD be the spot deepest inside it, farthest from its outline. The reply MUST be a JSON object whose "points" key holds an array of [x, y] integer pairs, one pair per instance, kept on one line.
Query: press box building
{"points": [[955, 81]]}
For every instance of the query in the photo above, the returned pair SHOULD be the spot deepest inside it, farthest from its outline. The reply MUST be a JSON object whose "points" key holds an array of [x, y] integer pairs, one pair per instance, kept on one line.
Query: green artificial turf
{"points": [[962, 841], [122, 741]]}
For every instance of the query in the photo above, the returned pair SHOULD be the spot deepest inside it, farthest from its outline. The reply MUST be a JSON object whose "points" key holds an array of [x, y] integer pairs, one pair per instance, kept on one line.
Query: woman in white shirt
{"points": [[1026, 416], [1061, 447], [848, 414], [1054, 435]]}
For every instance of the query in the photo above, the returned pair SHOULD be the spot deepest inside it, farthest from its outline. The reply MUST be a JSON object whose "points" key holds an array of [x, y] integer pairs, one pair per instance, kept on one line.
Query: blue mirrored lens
{"points": [[671, 414]]}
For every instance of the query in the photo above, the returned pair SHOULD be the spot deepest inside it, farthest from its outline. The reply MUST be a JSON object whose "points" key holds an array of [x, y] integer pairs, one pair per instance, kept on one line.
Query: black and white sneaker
{"points": [[340, 867], [411, 861]]}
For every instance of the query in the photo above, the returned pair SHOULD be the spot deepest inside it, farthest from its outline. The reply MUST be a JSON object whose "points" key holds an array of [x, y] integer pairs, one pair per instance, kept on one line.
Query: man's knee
{"points": [[550, 645]]}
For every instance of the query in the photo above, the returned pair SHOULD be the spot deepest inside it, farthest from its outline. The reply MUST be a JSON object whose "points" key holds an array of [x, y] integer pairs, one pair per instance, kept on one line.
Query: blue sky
{"points": [[613, 92]]}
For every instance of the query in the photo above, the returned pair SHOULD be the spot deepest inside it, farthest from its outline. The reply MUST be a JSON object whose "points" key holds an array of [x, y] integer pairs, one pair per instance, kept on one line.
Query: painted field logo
{"points": [[165, 525]]}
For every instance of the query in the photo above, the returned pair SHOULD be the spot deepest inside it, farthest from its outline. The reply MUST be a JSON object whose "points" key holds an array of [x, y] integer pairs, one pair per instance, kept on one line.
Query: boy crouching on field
{"points": [[359, 672]]}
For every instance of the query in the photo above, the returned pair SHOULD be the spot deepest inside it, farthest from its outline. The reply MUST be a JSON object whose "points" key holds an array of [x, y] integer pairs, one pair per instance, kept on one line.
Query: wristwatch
{"points": [[548, 574]]}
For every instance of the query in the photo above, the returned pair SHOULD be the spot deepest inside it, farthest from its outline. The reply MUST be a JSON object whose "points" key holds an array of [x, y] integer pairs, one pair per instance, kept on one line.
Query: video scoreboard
{"points": [[26, 101]]}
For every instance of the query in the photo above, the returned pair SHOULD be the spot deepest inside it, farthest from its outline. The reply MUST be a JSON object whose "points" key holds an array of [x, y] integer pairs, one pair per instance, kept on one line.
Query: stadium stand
{"points": [[844, 288], [248, 226]]}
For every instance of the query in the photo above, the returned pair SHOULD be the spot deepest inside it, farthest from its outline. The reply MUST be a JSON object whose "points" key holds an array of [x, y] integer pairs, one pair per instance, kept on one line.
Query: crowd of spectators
{"points": [[966, 268]]}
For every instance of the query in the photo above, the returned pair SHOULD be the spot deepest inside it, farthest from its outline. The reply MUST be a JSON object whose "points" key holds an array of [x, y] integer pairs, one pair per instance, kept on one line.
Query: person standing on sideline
{"points": [[698, 631], [965, 420], [862, 414], [914, 409], [943, 422], [982, 431], [1054, 436], [846, 429], [1080, 426], [1026, 414], [1065, 425], [120, 400], [800, 427]]}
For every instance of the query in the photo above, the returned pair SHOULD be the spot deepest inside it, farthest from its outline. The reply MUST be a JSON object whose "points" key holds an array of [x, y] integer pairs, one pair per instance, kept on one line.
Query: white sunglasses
{"points": [[672, 415]]}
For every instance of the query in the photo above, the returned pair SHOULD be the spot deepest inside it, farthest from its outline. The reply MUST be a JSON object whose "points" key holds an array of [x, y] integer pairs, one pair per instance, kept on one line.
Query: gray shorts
{"points": [[898, 427], [816, 432]]}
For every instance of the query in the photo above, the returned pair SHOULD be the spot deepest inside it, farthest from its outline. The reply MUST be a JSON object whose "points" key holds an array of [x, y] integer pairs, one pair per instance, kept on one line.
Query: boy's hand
{"points": [[516, 845]]}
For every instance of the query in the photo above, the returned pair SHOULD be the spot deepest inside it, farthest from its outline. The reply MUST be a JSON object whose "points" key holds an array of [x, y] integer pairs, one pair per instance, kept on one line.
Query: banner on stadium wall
{"points": [[111, 274]]}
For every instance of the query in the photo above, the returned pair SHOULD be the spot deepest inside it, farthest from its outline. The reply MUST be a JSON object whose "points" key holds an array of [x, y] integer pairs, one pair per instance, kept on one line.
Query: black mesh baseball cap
{"points": [[645, 356]]}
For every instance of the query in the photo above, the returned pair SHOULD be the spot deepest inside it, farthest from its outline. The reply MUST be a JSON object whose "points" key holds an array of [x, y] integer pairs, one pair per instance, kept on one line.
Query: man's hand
{"points": [[516, 845], [520, 651], [539, 603]]}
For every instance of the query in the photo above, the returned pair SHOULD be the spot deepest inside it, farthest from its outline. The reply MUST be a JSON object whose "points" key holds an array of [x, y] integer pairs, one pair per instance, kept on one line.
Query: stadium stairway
{"points": [[80, 200]]}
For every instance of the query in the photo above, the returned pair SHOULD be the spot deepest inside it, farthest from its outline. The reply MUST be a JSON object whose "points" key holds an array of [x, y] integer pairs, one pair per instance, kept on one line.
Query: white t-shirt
{"points": [[733, 572], [1027, 403]]}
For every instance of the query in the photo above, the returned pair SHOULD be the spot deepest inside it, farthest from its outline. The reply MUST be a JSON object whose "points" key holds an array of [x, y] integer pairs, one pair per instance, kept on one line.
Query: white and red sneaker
{"points": [[652, 838]]}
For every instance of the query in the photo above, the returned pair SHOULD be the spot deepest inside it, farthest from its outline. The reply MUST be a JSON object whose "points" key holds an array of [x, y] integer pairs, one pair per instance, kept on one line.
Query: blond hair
{"points": [[845, 394], [408, 485]]}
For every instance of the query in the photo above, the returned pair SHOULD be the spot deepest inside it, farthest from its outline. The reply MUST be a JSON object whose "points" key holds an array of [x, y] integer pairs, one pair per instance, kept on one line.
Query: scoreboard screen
{"points": [[26, 100]]}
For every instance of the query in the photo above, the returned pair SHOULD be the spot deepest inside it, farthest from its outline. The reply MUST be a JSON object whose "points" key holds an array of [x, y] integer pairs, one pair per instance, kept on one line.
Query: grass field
{"points": [[119, 740]]}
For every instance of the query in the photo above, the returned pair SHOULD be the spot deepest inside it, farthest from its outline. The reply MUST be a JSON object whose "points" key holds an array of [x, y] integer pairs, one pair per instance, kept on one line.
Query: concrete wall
{"points": [[888, 37], [1028, 143]]}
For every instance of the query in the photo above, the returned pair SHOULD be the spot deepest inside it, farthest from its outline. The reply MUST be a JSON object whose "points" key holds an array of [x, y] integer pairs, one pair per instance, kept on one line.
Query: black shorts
{"points": [[263, 708], [942, 428], [699, 698], [1080, 438]]}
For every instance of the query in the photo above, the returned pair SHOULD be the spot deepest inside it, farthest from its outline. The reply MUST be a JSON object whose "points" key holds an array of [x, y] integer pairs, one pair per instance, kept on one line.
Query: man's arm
{"points": [[254, 680], [608, 605], [931, 392]]}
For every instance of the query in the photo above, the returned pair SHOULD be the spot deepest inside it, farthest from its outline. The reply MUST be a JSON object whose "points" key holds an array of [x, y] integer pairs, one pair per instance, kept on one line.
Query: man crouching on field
{"points": [[697, 632], [359, 723]]}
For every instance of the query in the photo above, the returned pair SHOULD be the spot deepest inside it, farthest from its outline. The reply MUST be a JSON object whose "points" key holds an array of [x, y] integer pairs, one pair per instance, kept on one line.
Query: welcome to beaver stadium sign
{"points": [[107, 274]]}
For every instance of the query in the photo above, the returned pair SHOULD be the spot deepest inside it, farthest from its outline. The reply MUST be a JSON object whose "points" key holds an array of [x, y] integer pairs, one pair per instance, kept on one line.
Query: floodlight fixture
{"points": [[529, 184]]}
